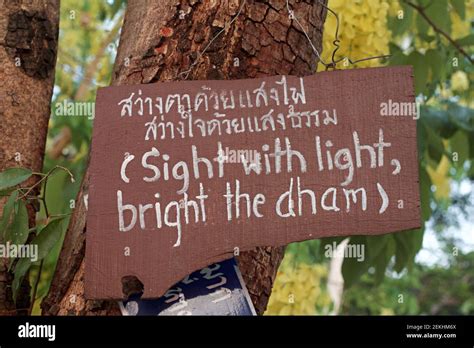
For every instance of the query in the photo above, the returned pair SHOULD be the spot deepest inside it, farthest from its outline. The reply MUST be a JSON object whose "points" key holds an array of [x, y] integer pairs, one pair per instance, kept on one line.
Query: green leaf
{"points": [[421, 25], [438, 12], [408, 243], [7, 213], [435, 144], [437, 65], [45, 241], [398, 58], [423, 3], [383, 259], [48, 237], [466, 40], [471, 147], [402, 252], [13, 176], [462, 116], [460, 7], [421, 70], [375, 244], [460, 144], [421, 134], [470, 173], [352, 268], [399, 26], [7, 192], [22, 266], [425, 194], [438, 120], [17, 231], [417, 236]]}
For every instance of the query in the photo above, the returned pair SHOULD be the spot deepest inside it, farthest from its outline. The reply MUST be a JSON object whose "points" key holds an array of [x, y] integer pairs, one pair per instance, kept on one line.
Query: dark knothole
{"points": [[31, 43]]}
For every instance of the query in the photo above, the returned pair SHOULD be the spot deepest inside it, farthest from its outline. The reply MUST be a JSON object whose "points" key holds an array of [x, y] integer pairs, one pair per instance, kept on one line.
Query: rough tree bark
{"points": [[28, 44], [158, 41]]}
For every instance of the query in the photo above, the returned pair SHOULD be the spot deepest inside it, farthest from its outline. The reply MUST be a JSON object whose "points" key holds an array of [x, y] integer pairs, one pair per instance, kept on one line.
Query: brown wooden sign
{"points": [[185, 174]]}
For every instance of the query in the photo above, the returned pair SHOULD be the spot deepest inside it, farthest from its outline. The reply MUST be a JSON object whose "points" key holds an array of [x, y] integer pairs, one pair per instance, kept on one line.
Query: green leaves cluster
{"points": [[433, 57], [46, 239], [437, 290], [445, 127], [14, 222]]}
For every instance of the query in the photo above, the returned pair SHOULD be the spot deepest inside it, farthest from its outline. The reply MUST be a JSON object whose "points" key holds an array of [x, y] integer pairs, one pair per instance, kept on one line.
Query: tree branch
{"points": [[421, 11], [92, 67]]}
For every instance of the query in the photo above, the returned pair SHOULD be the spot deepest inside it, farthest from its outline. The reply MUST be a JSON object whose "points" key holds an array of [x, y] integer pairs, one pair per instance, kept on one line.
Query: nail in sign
{"points": [[184, 174]]}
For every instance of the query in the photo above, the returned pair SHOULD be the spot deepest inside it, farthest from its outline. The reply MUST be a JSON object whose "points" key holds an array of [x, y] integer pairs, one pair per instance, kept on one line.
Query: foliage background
{"points": [[426, 271]]}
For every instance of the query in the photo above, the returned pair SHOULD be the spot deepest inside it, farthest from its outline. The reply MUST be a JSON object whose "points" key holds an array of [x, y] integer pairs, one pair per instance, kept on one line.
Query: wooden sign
{"points": [[185, 174]]}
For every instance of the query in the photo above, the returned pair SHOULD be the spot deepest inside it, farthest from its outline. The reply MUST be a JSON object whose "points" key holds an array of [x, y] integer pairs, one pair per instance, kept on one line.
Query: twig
{"points": [[335, 42], [422, 13], [43, 199], [53, 216], [46, 177]]}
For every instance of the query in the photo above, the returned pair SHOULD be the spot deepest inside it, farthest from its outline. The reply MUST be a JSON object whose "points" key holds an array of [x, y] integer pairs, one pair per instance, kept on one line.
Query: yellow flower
{"points": [[440, 179], [459, 81], [298, 290], [363, 32], [394, 8], [459, 28], [386, 311]]}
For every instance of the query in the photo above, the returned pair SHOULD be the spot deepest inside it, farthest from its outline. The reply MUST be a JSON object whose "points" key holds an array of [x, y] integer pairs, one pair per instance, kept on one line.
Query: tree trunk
{"points": [[159, 40], [28, 40]]}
